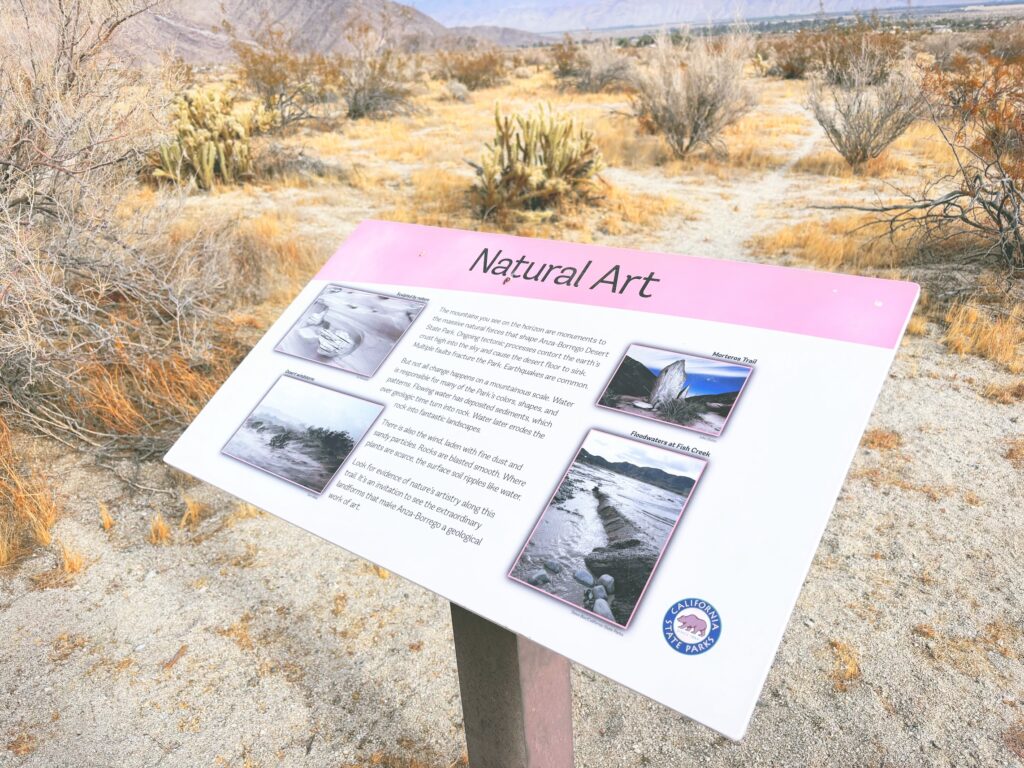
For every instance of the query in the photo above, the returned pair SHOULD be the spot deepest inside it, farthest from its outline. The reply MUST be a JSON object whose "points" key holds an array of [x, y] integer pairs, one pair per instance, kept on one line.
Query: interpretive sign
{"points": [[626, 457]]}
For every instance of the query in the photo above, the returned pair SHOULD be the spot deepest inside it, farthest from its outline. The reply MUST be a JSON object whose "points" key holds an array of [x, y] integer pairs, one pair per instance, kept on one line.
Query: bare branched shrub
{"points": [[474, 69], [791, 57], [106, 317], [690, 95], [376, 77], [862, 53], [979, 208], [603, 67], [863, 116], [566, 57], [538, 160], [293, 86]]}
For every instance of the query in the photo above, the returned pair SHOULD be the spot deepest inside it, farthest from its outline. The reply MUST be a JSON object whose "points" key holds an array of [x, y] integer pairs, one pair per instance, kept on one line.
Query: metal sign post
{"points": [[516, 697]]}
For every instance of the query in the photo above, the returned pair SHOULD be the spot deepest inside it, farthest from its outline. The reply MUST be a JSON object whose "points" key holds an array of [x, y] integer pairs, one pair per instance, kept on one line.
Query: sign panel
{"points": [[627, 457]]}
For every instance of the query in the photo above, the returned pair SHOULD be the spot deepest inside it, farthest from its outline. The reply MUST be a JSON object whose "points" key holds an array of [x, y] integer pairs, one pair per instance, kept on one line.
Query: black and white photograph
{"points": [[350, 329], [604, 531], [302, 432], [690, 391]]}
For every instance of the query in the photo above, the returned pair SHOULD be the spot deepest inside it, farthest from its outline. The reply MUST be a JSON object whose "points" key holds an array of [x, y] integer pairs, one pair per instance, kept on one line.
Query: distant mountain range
{"points": [[552, 16], [188, 28], [650, 475]]}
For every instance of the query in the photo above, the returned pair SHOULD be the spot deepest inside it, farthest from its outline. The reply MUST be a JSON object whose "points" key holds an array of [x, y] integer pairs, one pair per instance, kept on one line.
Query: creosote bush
{"points": [[538, 160], [474, 69], [862, 116], [691, 94], [602, 67], [376, 77], [566, 57], [292, 86]]}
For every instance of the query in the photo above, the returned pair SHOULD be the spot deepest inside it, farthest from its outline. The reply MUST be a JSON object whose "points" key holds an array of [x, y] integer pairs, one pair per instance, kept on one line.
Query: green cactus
{"points": [[538, 160], [212, 141]]}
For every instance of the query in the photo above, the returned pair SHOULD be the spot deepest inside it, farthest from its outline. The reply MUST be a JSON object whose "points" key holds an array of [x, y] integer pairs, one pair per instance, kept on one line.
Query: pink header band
{"points": [[862, 310]]}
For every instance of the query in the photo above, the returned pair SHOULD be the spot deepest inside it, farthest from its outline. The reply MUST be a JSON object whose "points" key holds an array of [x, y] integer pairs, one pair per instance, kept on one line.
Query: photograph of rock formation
{"points": [[302, 432], [603, 532], [689, 391], [350, 329]]}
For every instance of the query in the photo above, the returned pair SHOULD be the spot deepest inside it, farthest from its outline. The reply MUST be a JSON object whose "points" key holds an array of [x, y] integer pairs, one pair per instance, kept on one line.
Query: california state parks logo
{"points": [[692, 626]]}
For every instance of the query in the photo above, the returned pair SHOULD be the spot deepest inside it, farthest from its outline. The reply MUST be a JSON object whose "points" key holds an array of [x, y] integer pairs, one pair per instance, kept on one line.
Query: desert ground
{"points": [[229, 638]]}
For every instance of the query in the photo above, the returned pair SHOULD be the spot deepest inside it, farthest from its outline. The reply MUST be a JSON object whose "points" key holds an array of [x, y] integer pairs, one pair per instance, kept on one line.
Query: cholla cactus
{"points": [[538, 160], [212, 142]]}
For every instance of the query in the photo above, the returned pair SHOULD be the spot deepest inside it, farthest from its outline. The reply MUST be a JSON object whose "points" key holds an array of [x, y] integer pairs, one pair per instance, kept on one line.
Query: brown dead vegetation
{"points": [[28, 509]]}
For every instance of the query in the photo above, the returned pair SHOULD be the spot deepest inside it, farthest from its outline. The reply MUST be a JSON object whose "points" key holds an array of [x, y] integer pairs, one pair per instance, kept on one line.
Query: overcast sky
{"points": [[614, 449], [315, 406], [548, 16]]}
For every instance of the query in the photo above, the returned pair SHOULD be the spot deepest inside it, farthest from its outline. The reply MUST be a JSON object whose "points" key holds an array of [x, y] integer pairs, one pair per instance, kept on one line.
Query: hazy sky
{"points": [[316, 406], [558, 15], [614, 449], [656, 359]]}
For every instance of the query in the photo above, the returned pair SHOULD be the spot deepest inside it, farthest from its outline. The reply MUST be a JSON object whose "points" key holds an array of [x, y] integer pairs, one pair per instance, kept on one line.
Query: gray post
{"points": [[516, 697]]}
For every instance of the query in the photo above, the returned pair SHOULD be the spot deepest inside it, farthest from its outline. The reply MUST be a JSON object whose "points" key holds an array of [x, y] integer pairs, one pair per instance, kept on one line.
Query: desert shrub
{"points": [[691, 95], [212, 142], [537, 160], [980, 205], [566, 57], [107, 317], [792, 56], [474, 69], [27, 508], [289, 83], [861, 54], [864, 116], [681, 411], [602, 67], [376, 77]]}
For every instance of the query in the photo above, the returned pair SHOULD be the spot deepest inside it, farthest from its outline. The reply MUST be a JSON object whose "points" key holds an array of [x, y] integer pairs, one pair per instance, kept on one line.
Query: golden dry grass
{"points": [[28, 509], [159, 530], [1005, 393], [1015, 452], [106, 520], [975, 331], [194, 511], [846, 665], [850, 243], [881, 439], [831, 163], [71, 560]]}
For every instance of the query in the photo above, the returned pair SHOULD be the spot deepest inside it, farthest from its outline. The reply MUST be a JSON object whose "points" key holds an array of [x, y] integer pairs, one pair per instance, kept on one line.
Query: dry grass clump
{"points": [[28, 509], [987, 332], [538, 160], [1015, 452], [71, 560], [159, 530], [1004, 394], [474, 69], [194, 511], [106, 520], [846, 665], [881, 439], [847, 243], [689, 95]]}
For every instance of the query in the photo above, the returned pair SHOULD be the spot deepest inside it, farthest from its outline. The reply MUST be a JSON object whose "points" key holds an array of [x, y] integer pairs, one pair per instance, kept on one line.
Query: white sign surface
{"points": [[626, 457]]}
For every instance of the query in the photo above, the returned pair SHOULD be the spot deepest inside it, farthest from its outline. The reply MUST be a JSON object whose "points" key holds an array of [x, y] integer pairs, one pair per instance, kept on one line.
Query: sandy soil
{"points": [[247, 642]]}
